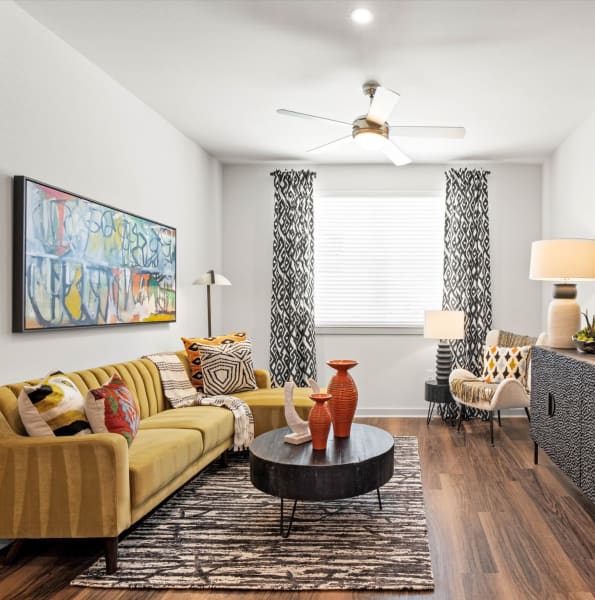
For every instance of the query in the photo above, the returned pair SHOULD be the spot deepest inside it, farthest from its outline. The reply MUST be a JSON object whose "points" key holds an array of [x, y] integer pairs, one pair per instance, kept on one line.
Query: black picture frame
{"points": [[79, 263]]}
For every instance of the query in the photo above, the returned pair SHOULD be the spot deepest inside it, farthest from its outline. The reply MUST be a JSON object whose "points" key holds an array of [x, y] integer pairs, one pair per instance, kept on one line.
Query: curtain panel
{"points": [[467, 269], [292, 342]]}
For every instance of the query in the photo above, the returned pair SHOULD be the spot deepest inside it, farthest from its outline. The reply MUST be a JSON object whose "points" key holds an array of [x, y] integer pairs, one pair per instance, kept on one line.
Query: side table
{"points": [[439, 393]]}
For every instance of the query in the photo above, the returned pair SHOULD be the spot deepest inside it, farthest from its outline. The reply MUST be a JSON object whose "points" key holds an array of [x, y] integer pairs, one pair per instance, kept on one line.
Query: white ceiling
{"points": [[517, 74]]}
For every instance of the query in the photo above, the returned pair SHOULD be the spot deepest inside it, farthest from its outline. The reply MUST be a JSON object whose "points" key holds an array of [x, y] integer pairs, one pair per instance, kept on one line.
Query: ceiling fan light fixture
{"points": [[362, 16], [370, 140]]}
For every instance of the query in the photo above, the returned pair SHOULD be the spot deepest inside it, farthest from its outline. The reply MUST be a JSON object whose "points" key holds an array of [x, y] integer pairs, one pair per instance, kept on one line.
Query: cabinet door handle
{"points": [[551, 404]]}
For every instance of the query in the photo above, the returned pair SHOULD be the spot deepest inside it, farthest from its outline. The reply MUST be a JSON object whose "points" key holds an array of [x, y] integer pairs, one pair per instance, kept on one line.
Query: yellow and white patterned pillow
{"points": [[53, 407], [500, 363]]}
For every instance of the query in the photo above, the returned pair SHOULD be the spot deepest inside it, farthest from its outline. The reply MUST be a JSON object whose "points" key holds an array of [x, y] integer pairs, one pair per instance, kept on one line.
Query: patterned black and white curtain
{"points": [[467, 272], [292, 344]]}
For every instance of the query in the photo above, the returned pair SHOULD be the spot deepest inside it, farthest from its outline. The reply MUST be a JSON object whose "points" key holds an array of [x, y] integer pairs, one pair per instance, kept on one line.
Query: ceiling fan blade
{"points": [[396, 155], [423, 131], [301, 115], [331, 145], [382, 105]]}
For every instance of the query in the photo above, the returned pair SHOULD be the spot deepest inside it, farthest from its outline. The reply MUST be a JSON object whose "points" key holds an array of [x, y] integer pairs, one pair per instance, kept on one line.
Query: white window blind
{"points": [[378, 259]]}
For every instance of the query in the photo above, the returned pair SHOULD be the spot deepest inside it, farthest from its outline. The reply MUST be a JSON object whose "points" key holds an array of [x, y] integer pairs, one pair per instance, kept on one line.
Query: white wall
{"points": [[392, 368], [569, 197], [65, 122]]}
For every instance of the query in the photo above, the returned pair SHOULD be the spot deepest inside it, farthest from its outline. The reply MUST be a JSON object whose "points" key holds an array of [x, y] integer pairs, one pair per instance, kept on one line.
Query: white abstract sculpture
{"points": [[300, 429]]}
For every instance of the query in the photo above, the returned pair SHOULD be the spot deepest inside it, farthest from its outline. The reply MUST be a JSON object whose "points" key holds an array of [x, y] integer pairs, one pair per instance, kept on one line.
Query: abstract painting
{"points": [[80, 263]]}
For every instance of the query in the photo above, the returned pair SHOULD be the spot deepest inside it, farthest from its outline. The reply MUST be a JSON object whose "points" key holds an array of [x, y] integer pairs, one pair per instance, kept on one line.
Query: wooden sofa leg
{"points": [[111, 554], [223, 459], [13, 551]]}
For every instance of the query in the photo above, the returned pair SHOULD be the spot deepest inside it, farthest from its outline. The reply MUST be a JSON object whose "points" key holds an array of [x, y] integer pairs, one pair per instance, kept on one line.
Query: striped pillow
{"points": [[227, 369], [54, 407], [192, 346]]}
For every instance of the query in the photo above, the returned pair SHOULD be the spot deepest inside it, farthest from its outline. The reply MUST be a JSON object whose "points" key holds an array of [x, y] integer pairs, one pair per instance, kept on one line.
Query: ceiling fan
{"points": [[372, 132]]}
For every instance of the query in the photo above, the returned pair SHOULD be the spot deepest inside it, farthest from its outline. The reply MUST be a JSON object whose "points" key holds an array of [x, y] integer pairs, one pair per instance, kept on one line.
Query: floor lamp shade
{"points": [[444, 325], [210, 278], [563, 261]]}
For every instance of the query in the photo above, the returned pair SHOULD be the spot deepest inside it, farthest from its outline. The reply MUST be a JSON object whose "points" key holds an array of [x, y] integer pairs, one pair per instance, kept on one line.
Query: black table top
{"points": [[364, 443]]}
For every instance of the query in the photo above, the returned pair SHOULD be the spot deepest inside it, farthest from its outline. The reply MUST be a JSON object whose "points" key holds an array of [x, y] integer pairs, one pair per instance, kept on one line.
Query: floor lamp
{"points": [[444, 325], [563, 262], [210, 278]]}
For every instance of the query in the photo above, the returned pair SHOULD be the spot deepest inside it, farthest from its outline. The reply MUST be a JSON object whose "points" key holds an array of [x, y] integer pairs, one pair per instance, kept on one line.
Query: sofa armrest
{"points": [[56, 487], [263, 379]]}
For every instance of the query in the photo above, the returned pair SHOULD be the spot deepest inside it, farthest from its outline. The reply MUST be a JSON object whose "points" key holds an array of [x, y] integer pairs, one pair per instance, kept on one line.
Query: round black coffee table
{"points": [[348, 467]]}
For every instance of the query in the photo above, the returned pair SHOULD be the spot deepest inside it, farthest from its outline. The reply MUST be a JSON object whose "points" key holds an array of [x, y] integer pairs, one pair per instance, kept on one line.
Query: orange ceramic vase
{"points": [[319, 421], [344, 397]]}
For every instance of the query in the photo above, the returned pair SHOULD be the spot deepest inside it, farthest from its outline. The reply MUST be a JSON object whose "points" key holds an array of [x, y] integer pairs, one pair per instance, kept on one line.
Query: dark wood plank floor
{"points": [[499, 528]]}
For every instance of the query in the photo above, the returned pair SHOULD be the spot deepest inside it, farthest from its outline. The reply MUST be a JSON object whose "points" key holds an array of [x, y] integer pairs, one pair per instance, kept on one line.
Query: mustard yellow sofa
{"points": [[95, 486]]}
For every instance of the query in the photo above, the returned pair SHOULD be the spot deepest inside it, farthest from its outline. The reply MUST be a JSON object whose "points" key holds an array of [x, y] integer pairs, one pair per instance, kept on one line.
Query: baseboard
{"points": [[391, 412], [420, 412]]}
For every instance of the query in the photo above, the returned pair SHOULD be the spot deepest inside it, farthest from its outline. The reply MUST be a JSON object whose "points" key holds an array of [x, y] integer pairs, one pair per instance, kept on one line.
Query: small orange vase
{"points": [[344, 397], [319, 421]]}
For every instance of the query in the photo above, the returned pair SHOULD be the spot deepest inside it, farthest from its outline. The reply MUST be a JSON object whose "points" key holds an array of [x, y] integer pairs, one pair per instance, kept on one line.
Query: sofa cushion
{"points": [[214, 423], [158, 456]]}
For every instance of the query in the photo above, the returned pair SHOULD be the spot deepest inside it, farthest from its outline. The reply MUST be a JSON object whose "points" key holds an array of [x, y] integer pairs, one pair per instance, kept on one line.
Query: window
{"points": [[377, 259]]}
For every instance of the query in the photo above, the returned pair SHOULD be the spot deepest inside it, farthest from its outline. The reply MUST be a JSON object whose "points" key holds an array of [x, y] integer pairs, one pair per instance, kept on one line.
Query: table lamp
{"points": [[210, 278], [444, 325], [565, 262]]}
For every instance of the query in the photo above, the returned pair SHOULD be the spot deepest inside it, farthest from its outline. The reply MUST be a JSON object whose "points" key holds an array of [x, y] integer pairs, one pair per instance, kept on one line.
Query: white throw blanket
{"points": [[180, 392]]}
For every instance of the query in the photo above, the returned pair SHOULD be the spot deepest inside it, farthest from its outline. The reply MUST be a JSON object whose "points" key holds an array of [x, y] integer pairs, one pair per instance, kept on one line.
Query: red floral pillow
{"points": [[111, 408]]}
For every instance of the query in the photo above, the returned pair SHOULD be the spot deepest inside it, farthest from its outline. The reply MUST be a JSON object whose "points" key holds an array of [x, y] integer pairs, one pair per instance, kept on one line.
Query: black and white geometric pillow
{"points": [[227, 369]]}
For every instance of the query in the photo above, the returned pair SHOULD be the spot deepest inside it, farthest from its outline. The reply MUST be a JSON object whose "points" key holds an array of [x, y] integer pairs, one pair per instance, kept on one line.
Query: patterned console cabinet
{"points": [[563, 412]]}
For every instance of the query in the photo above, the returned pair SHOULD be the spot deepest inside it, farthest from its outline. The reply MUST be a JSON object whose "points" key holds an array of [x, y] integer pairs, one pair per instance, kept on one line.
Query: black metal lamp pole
{"points": [[212, 274]]}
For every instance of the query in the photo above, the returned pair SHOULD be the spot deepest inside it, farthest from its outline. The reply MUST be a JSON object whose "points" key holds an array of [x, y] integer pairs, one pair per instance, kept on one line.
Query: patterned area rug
{"points": [[219, 532]]}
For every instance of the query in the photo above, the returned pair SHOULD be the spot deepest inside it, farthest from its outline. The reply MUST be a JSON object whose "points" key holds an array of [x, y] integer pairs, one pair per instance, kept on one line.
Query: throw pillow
{"points": [[500, 363], [227, 369], [53, 407], [111, 408], [192, 350]]}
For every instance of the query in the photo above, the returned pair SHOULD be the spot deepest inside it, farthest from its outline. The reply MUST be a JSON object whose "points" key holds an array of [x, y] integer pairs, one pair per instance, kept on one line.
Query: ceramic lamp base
{"points": [[563, 317]]}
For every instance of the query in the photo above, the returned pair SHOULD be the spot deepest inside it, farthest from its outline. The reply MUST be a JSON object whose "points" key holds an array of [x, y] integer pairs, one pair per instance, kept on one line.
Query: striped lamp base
{"points": [[443, 363]]}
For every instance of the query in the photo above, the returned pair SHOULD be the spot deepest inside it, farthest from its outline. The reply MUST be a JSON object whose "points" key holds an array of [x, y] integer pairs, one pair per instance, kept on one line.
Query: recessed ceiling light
{"points": [[362, 16]]}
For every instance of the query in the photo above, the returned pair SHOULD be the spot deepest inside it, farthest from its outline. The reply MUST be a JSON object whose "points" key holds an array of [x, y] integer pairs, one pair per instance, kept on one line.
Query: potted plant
{"points": [[584, 340]]}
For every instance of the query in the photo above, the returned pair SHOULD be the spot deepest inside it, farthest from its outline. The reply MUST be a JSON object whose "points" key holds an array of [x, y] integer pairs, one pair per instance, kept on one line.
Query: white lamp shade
{"points": [[206, 280], [444, 324], [562, 260]]}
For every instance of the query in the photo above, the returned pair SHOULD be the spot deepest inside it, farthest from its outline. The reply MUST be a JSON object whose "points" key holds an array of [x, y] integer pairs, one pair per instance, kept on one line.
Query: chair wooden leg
{"points": [[528, 415], [111, 554], [499, 421], [535, 453], [492, 427], [13, 551]]}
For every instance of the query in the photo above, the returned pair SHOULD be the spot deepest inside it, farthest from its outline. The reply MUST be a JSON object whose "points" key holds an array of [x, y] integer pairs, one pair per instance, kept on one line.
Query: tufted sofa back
{"points": [[141, 377]]}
